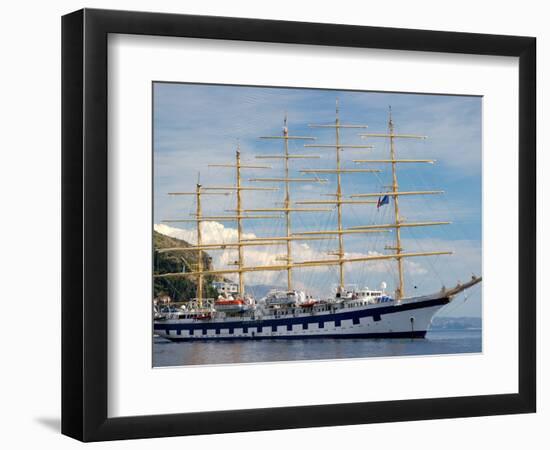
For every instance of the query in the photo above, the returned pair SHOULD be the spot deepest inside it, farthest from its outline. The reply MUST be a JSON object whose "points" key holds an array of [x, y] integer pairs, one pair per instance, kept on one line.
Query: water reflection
{"points": [[166, 353]]}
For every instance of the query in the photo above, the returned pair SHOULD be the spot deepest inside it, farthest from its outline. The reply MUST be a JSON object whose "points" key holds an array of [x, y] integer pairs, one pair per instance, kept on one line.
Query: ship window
{"points": [[178, 331], [273, 327], [304, 326], [217, 331], [204, 331], [356, 320], [321, 324], [289, 327], [191, 332]]}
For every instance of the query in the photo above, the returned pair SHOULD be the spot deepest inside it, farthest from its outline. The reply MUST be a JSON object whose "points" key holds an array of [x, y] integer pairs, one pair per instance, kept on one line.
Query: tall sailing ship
{"points": [[293, 313]]}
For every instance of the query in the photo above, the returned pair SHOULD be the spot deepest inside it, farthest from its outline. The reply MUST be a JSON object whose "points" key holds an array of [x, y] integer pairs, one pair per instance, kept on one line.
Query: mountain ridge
{"points": [[179, 289]]}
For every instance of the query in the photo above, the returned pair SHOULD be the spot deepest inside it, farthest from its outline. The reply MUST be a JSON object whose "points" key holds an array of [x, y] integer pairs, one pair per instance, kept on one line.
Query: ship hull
{"points": [[407, 319]]}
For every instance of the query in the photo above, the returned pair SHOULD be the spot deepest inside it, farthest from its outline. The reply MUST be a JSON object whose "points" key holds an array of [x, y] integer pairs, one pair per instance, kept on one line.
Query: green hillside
{"points": [[178, 288]]}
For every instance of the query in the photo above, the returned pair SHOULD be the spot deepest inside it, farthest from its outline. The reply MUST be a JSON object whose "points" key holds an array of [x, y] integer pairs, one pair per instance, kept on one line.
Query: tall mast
{"points": [[287, 205], [240, 211], [199, 245], [199, 218], [287, 209], [239, 222], [338, 146], [339, 199], [396, 193], [238, 217], [395, 188]]}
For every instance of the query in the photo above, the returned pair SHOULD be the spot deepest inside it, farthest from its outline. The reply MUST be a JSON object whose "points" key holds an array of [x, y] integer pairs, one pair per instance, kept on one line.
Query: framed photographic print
{"points": [[291, 225]]}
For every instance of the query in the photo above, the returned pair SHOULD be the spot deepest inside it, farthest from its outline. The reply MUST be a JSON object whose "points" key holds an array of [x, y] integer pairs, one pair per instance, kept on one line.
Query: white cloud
{"points": [[423, 274], [215, 232]]}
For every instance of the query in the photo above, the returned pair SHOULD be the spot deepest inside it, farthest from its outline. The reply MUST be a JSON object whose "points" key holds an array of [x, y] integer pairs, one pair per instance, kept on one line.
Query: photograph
{"points": [[294, 224]]}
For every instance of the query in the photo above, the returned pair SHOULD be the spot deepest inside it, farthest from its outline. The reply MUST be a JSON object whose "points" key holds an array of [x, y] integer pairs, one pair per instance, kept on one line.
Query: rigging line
{"points": [[413, 234], [459, 231], [327, 246], [174, 289], [431, 262], [319, 224], [367, 244], [459, 224], [378, 237], [391, 267], [443, 198], [472, 292]]}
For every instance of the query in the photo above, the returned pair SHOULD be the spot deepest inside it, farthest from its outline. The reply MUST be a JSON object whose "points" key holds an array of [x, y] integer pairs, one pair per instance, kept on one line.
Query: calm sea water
{"points": [[167, 353]]}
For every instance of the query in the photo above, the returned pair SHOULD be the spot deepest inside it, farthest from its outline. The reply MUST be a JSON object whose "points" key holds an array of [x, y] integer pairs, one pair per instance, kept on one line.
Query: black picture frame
{"points": [[84, 224]]}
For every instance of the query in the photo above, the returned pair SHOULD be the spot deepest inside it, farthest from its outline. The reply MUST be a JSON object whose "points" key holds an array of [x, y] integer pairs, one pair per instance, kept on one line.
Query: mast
{"points": [[338, 146], [240, 211], [339, 199], [199, 247], [287, 209], [239, 223], [199, 244], [287, 205], [238, 217], [395, 188], [396, 193]]}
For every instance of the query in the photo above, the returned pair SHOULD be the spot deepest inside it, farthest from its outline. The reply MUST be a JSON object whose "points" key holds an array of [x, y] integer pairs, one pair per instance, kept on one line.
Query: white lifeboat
{"points": [[230, 305], [284, 298]]}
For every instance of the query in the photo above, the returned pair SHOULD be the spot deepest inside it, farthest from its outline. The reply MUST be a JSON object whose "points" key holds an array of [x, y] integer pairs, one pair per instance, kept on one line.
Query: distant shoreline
{"points": [[456, 324], [453, 329]]}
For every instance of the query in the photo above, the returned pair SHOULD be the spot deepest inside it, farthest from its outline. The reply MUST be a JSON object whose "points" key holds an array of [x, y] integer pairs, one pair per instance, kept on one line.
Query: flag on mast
{"points": [[382, 201]]}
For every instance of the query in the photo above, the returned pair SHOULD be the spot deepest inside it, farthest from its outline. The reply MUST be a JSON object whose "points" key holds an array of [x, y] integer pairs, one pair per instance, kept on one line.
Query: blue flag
{"points": [[382, 201]]}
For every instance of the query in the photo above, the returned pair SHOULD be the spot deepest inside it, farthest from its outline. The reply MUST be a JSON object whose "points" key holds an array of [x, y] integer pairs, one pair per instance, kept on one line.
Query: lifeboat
{"points": [[230, 305], [284, 298]]}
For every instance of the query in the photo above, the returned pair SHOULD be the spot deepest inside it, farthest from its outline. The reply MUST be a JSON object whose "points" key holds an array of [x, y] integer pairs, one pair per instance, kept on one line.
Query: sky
{"points": [[196, 125]]}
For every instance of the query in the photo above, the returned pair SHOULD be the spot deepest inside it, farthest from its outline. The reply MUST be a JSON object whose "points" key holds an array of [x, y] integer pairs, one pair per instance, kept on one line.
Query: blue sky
{"points": [[196, 125]]}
